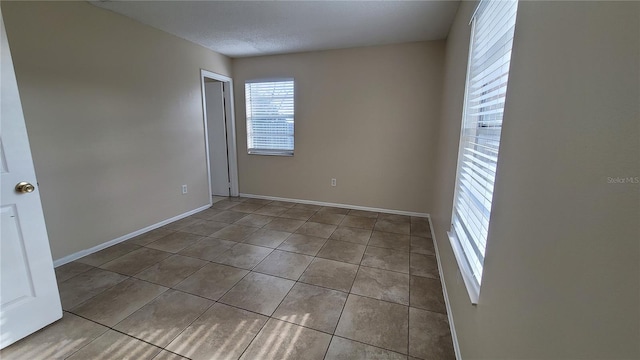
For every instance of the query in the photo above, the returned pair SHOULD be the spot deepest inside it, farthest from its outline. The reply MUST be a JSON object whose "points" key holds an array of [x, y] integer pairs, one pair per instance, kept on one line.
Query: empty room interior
{"points": [[320, 180]]}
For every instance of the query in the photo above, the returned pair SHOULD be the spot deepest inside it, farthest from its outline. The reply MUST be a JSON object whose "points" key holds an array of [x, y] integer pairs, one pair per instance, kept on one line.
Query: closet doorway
{"points": [[220, 138]]}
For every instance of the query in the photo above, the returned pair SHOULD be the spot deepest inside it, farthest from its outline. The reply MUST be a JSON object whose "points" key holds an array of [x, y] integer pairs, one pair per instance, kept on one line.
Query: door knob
{"points": [[25, 187]]}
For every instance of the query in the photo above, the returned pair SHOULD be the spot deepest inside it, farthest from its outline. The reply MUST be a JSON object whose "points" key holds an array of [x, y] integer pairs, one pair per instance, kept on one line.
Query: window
{"points": [[492, 31], [270, 114]]}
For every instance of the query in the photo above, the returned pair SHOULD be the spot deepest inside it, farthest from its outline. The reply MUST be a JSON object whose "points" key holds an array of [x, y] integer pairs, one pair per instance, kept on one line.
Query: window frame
{"points": [[472, 283], [269, 152]]}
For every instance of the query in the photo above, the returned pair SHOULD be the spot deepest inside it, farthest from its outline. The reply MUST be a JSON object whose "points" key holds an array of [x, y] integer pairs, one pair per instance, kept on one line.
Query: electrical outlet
{"points": [[333, 182], [184, 189]]}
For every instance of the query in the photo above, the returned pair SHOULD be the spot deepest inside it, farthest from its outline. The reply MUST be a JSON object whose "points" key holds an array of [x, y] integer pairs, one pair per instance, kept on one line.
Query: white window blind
{"points": [[270, 117], [487, 75]]}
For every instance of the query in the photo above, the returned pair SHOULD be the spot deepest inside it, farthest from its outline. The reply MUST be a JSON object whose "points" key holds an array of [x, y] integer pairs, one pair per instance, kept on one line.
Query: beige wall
{"points": [[561, 275], [364, 116], [114, 114]]}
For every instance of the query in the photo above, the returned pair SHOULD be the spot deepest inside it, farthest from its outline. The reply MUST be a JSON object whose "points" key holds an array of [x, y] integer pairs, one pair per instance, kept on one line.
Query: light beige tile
{"points": [[298, 214], [325, 217], [426, 293], [353, 235], [212, 281], [404, 219], [166, 355], [258, 201], [243, 256], [420, 245], [316, 229], [363, 213], [203, 227], [258, 292], [172, 270], [108, 254], [386, 259], [361, 319], [268, 238], [114, 345], [69, 270], [397, 227], [282, 340], [87, 285], [207, 214], [344, 349], [247, 207], [424, 265], [175, 242], [334, 210], [284, 264], [228, 216], [342, 251], [234, 232], [420, 227], [308, 207], [330, 274], [136, 261], [164, 318], [382, 284], [302, 244], [284, 204], [56, 341], [225, 204], [149, 236], [222, 332], [271, 210], [358, 222], [312, 306], [429, 335], [208, 248], [390, 241], [282, 224], [178, 224], [113, 305], [255, 220]]}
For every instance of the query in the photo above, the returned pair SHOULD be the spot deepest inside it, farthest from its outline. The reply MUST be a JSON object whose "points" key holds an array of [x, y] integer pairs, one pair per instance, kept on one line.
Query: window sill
{"points": [[473, 288], [270, 153]]}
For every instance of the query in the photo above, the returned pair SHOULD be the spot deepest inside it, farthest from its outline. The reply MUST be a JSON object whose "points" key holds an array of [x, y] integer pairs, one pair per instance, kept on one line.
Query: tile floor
{"points": [[255, 279]]}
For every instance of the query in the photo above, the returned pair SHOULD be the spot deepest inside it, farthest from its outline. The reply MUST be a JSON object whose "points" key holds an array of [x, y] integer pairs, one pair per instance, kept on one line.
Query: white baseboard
{"points": [[344, 206], [454, 336], [81, 253]]}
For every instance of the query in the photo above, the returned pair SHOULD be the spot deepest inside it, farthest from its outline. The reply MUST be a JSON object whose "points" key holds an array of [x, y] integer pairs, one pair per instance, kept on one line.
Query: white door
{"points": [[216, 126], [29, 298]]}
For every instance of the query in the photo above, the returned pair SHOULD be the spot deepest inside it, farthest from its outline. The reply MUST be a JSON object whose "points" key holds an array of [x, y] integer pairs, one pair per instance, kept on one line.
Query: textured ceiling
{"points": [[252, 28]]}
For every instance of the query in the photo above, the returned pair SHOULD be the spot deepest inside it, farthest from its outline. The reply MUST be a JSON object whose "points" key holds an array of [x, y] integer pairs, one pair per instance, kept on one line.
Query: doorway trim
{"points": [[232, 156]]}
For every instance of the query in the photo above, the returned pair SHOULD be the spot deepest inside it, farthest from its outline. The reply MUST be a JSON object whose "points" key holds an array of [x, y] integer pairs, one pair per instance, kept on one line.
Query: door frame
{"points": [[232, 156]]}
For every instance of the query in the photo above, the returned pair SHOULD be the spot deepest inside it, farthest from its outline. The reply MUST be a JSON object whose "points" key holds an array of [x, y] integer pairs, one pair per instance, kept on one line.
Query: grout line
{"points": [[82, 347], [80, 273], [375, 346], [409, 309], [110, 328], [100, 293], [257, 332], [186, 327]]}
